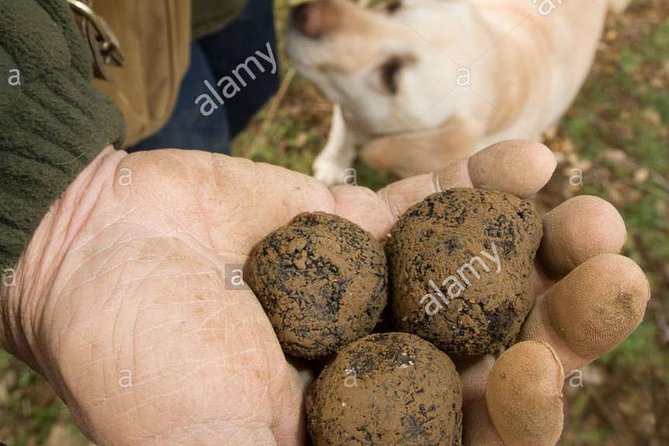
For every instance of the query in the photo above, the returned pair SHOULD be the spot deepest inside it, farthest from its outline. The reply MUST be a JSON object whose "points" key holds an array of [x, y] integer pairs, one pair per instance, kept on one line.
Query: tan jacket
{"points": [[155, 37]]}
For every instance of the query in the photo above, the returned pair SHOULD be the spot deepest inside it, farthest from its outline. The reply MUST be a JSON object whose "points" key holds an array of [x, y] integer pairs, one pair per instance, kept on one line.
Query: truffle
{"points": [[461, 268], [322, 281], [386, 389]]}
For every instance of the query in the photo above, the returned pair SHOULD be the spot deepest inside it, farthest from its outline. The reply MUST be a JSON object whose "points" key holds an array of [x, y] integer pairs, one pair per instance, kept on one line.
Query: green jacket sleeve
{"points": [[52, 121]]}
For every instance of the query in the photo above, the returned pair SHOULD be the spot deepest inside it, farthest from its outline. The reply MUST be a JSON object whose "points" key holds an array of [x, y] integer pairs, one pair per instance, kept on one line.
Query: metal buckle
{"points": [[110, 48]]}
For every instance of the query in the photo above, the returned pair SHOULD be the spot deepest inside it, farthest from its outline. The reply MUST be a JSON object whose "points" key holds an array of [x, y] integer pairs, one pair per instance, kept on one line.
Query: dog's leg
{"points": [[338, 154], [423, 151]]}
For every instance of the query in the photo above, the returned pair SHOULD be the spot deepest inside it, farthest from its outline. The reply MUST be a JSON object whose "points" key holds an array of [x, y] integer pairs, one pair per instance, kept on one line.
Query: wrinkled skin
{"points": [[122, 303]]}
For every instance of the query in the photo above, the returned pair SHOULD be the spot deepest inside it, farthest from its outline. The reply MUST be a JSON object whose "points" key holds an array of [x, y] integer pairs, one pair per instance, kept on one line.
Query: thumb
{"points": [[517, 167], [520, 168], [523, 400]]}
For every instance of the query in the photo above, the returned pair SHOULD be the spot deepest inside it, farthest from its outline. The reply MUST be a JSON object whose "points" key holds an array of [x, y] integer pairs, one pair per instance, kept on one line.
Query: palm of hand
{"points": [[181, 353], [149, 343]]}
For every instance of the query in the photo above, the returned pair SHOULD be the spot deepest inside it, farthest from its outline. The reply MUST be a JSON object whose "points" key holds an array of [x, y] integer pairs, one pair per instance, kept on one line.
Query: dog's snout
{"points": [[299, 15], [312, 18]]}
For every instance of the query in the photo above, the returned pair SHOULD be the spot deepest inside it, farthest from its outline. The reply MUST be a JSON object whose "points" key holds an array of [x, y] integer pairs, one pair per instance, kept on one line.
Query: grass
{"points": [[617, 132]]}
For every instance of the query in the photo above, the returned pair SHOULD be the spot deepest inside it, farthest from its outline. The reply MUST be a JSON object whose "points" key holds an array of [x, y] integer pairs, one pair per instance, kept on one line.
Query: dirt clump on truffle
{"points": [[386, 389], [461, 268], [322, 281]]}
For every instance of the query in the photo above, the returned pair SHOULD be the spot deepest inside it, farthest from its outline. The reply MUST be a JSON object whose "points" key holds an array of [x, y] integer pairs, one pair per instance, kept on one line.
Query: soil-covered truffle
{"points": [[461, 269], [386, 389], [322, 282]]}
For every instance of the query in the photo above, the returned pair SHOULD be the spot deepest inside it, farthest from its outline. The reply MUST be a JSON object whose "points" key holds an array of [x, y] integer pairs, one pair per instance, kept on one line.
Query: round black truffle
{"points": [[386, 389], [461, 267], [322, 282]]}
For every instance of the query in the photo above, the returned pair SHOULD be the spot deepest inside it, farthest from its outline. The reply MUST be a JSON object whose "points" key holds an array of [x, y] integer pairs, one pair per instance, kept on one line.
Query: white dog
{"points": [[421, 83]]}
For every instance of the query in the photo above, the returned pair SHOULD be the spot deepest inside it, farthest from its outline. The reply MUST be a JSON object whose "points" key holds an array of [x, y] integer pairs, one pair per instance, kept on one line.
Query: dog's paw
{"points": [[330, 172]]}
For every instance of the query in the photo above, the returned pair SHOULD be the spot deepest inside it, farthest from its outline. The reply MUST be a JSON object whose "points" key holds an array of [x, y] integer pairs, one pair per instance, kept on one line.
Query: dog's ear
{"points": [[423, 151]]}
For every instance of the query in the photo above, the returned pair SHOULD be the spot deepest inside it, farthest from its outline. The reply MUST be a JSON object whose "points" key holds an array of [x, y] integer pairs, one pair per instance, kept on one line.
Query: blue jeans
{"points": [[212, 57]]}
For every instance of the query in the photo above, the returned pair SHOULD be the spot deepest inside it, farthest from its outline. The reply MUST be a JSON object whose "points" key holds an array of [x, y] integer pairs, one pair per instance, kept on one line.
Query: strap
{"points": [[101, 40]]}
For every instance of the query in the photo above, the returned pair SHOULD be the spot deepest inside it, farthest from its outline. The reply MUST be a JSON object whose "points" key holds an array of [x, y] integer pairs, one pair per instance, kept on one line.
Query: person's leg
{"points": [[225, 50], [188, 128], [213, 57]]}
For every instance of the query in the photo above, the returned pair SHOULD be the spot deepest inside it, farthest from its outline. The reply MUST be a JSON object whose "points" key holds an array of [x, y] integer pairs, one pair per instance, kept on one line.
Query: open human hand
{"points": [[124, 299]]}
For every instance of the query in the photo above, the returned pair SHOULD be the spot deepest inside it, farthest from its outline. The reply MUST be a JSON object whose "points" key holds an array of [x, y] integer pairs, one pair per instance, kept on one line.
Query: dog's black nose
{"points": [[299, 15], [312, 18]]}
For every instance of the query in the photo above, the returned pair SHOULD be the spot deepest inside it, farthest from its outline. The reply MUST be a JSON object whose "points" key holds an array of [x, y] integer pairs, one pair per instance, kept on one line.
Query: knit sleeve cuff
{"points": [[53, 121]]}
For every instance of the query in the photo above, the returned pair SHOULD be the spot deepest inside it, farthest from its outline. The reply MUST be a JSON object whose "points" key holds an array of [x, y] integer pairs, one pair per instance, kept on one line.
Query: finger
{"points": [[290, 194], [364, 208], [244, 202], [475, 377], [523, 401], [580, 228], [518, 167], [527, 376], [590, 311], [289, 424], [478, 427]]}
